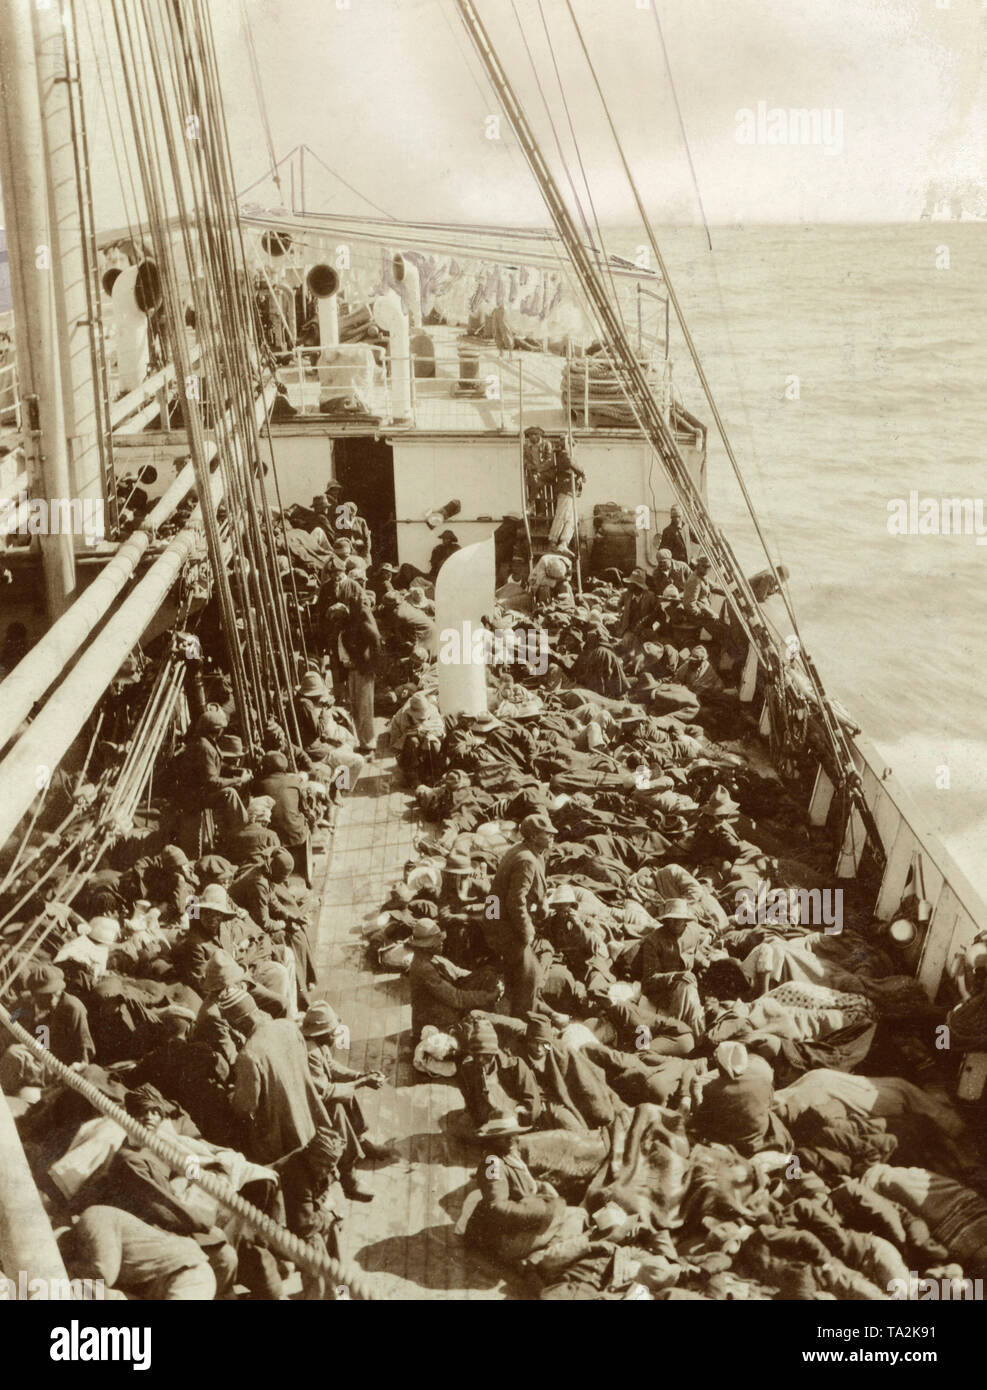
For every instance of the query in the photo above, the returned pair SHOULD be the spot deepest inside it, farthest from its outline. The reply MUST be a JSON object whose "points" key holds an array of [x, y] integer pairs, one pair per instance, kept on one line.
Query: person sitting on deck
{"points": [[517, 1214], [255, 839], [337, 1086], [494, 1083], [441, 992], [307, 1175], [417, 730]]}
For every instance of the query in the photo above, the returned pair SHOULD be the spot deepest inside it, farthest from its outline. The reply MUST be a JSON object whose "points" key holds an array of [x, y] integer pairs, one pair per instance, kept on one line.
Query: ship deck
{"points": [[405, 1240], [519, 382]]}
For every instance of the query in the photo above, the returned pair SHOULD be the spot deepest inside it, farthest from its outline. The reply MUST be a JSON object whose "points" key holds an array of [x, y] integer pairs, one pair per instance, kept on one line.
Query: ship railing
{"points": [[475, 390], [913, 862], [10, 410]]}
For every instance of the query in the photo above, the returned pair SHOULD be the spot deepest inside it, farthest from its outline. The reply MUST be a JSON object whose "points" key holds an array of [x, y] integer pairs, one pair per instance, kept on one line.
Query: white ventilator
{"points": [[389, 315], [323, 283], [133, 355], [464, 592]]}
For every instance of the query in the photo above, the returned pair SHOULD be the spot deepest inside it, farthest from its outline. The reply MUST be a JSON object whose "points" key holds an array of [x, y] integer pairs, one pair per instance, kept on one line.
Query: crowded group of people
{"points": [[662, 1096]]}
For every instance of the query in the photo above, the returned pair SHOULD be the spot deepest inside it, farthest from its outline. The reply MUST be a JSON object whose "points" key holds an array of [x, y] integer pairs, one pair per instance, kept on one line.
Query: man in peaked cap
{"points": [[44, 1003], [203, 779], [518, 889]]}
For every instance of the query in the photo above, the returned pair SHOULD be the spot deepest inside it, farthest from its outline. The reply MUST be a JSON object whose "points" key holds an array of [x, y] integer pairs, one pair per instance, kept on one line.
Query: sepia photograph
{"points": [[493, 782]]}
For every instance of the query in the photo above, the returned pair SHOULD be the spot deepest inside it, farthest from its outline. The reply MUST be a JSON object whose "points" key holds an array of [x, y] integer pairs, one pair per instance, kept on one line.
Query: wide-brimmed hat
{"points": [[500, 1126], [539, 821], [458, 864], [230, 746], [647, 683], [172, 857], [448, 536], [638, 578], [721, 803], [313, 687], [221, 972], [562, 895], [677, 909], [105, 931], [320, 1020], [486, 721], [213, 898], [424, 878]]}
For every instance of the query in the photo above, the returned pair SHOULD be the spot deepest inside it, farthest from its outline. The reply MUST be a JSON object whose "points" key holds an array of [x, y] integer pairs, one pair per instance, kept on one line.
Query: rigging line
{"points": [[678, 111], [246, 311], [700, 371], [169, 1149], [552, 126], [111, 83], [204, 92], [259, 93], [618, 350], [369, 201], [151, 166], [604, 256], [90, 253]]}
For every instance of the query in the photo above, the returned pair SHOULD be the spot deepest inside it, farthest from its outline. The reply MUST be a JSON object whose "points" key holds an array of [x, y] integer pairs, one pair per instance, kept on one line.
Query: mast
{"points": [[33, 286], [76, 294]]}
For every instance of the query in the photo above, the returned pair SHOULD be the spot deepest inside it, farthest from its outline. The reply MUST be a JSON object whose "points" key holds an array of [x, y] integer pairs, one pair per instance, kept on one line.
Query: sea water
{"points": [[849, 364]]}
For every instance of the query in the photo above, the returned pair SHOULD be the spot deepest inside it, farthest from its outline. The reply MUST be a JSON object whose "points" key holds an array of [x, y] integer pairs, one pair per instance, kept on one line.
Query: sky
{"points": [[391, 95]]}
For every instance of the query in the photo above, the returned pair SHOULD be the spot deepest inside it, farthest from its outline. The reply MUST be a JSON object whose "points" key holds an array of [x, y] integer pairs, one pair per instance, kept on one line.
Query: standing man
{"points": [[448, 545], [518, 887], [568, 479], [677, 537]]}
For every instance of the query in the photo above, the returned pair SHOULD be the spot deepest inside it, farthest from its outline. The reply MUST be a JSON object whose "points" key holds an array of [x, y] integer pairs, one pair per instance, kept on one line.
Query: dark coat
{"points": [[518, 885]]}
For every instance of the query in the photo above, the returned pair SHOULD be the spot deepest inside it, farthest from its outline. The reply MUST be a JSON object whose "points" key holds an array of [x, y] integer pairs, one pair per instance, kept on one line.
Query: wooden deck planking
{"points": [[405, 1239]]}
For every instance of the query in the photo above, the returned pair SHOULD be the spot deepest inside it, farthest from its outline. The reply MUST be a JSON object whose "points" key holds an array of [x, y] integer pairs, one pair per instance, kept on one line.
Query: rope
{"points": [[259, 93], [279, 1240]]}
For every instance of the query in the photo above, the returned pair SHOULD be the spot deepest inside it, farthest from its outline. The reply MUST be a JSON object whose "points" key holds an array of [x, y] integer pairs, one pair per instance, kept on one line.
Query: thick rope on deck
{"points": [[279, 1240]]}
